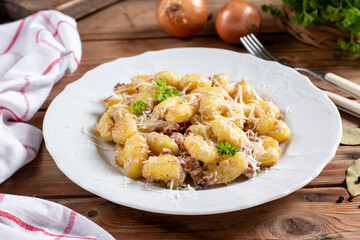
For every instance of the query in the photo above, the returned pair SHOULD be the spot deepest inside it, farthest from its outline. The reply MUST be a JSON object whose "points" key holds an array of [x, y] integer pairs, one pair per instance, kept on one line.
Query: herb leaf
{"points": [[138, 107], [226, 149], [352, 175], [164, 91], [351, 136], [274, 10]]}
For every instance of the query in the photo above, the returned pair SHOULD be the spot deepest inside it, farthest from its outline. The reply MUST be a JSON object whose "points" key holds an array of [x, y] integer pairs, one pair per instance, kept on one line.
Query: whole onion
{"points": [[181, 18], [237, 19]]}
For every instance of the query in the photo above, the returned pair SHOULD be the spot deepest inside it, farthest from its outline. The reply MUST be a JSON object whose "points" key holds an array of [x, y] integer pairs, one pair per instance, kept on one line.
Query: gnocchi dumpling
{"points": [[142, 82], [124, 129], [272, 127], [228, 168], [201, 149], [262, 107], [199, 129], [163, 108], [104, 127], [119, 155], [158, 142], [180, 114], [192, 81], [227, 131], [119, 111], [128, 88], [241, 91], [271, 152], [164, 168], [113, 100], [148, 97], [136, 151], [211, 106], [170, 78], [220, 80]]}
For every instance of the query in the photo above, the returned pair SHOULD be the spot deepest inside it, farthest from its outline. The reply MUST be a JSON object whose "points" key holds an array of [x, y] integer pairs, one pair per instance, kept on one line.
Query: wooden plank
{"points": [[305, 214], [80, 8], [17, 9], [136, 19]]}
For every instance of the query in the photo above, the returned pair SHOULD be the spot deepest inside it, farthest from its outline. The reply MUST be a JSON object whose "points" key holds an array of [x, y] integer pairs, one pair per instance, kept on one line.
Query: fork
{"points": [[254, 47]]}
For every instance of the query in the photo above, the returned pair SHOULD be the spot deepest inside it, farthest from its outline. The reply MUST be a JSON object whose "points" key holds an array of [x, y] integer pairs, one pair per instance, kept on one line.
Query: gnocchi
{"points": [[164, 168], [167, 127]]}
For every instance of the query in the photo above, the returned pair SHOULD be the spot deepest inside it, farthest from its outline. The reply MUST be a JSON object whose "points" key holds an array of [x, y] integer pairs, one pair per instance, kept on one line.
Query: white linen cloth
{"points": [[28, 218], [35, 53]]}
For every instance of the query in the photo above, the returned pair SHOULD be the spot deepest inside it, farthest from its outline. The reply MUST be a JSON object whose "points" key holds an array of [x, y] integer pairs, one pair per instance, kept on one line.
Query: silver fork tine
{"points": [[257, 51], [247, 46], [262, 48]]}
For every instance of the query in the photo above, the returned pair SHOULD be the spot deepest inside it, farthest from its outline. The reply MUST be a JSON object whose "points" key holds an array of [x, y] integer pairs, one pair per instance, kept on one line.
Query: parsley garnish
{"points": [[138, 107], [164, 91], [226, 149], [345, 14]]}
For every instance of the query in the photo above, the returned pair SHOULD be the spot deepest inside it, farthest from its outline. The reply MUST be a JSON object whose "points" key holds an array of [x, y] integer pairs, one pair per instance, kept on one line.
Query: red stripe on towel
{"points": [[15, 116], [58, 25], [37, 34], [70, 224], [48, 69], [47, 19], [22, 90], [15, 37], [31, 228], [31, 148]]}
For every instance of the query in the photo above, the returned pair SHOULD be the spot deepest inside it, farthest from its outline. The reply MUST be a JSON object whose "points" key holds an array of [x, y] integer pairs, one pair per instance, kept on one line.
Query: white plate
{"points": [[312, 117]]}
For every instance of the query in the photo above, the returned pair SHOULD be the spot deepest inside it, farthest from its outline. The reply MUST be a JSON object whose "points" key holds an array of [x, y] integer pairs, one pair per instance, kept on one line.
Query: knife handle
{"points": [[343, 84], [345, 104]]}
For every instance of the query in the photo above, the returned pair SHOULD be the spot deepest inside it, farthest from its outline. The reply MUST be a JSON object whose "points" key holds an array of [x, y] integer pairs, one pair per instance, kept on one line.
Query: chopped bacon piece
{"points": [[252, 136], [194, 168], [190, 164], [171, 128], [250, 124], [119, 85], [249, 172], [178, 138], [208, 179]]}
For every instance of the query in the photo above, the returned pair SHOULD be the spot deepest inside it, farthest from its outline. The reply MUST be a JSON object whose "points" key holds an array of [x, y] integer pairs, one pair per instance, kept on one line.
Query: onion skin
{"points": [[181, 18], [237, 19]]}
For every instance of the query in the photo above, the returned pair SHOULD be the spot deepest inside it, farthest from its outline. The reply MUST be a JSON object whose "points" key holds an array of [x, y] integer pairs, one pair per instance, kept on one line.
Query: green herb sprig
{"points": [[345, 14], [138, 107], [226, 149], [164, 91], [274, 10]]}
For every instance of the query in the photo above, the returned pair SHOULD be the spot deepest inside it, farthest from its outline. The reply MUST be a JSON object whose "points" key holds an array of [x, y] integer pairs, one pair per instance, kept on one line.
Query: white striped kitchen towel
{"points": [[35, 53], [28, 218]]}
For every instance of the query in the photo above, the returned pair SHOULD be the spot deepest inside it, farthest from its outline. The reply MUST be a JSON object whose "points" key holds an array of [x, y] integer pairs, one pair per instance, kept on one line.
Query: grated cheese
{"points": [[232, 108]]}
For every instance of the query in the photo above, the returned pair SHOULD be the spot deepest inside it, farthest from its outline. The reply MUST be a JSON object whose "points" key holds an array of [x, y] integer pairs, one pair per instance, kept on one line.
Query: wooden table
{"points": [[129, 28]]}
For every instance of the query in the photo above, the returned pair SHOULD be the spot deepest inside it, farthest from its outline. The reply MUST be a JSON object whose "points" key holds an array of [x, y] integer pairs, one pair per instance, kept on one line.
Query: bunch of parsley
{"points": [[344, 13]]}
